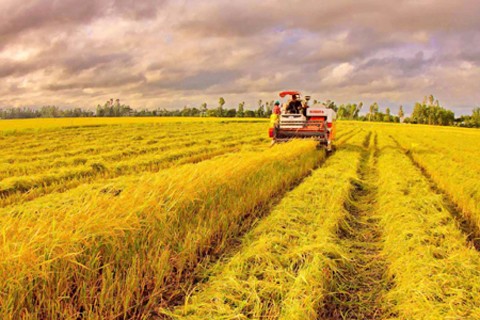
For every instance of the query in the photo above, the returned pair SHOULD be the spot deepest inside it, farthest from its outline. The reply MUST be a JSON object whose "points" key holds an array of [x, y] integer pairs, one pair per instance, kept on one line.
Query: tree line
{"points": [[43, 112], [113, 108], [428, 111]]}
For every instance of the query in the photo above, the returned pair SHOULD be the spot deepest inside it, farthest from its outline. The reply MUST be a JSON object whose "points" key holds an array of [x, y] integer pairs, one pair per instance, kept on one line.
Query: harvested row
{"points": [[360, 285], [284, 266], [122, 251], [436, 275]]}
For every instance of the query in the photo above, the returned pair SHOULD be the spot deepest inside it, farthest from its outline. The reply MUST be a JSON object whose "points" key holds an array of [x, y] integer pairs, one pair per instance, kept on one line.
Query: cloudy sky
{"points": [[170, 53]]}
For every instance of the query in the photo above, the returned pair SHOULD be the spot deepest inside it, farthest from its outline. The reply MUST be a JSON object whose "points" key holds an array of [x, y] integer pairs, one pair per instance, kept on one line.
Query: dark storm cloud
{"points": [[85, 61], [12, 68], [228, 19], [19, 17], [200, 81], [137, 10], [398, 65], [30, 15], [71, 63], [146, 52], [206, 79], [101, 80]]}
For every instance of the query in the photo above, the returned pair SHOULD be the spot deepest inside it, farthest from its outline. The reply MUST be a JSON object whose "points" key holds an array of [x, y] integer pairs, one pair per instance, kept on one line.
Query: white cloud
{"points": [[339, 74]]}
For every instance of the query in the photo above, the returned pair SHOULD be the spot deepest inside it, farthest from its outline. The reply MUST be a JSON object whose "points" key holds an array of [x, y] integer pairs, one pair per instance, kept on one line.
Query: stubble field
{"points": [[201, 219]]}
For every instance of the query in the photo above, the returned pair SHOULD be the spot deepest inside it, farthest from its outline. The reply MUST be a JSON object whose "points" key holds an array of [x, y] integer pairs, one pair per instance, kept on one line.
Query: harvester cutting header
{"points": [[296, 119]]}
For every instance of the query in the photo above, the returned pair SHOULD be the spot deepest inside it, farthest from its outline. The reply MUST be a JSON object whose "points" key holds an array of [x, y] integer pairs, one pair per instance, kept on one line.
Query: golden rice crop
{"points": [[48, 145], [435, 273], [11, 126], [132, 218], [451, 160], [284, 267], [51, 160], [28, 180], [116, 251]]}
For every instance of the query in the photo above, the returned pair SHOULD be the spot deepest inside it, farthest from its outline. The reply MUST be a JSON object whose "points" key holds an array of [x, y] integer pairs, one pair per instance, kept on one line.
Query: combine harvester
{"points": [[297, 120]]}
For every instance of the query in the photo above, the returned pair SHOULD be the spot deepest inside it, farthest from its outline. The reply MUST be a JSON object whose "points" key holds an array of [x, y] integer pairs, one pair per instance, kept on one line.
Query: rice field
{"points": [[200, 218]]}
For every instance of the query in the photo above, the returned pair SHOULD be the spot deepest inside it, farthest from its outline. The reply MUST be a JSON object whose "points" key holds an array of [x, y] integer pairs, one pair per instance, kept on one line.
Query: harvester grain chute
{"points": [[297, 120]]}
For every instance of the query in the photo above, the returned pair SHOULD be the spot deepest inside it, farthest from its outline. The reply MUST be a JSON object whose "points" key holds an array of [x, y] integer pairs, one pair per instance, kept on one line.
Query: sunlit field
{"points": [[201, 218], [35, 124]]}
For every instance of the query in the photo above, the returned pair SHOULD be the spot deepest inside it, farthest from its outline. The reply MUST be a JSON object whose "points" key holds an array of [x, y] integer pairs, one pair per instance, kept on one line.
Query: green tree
{"points": [[387, 117], [401, 114], [360, 106], [260, 113], [249, 114], [221, 103], [241, 110], [419, 114], [203, 109], [353, 111], [373, 111], [342, 112], [269, 107], [476, 117], [430, 112], [231, 113]]}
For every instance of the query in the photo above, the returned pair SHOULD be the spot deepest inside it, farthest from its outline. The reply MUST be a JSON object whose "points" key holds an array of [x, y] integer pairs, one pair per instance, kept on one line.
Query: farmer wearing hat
{"points": [[276, 108], [275, 113]]}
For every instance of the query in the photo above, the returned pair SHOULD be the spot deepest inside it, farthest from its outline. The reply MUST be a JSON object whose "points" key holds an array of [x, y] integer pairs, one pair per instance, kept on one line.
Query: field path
{"points": [[360, 285]]}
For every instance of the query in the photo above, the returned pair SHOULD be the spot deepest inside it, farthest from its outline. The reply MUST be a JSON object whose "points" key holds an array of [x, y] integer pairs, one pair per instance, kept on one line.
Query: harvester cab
{"points": [[299, 120]]}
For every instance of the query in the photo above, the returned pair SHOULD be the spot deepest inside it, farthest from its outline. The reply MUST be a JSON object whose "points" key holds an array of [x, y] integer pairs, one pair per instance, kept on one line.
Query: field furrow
{"points": [[465, 222], [126, 249], [201, 218], [47, 176], [285, 265], [435, 273], [358, 292], [458, 180]]}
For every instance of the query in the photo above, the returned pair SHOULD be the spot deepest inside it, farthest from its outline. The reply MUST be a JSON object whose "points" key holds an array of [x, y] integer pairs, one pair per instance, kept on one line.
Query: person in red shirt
{"points": [[276, 108]]}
